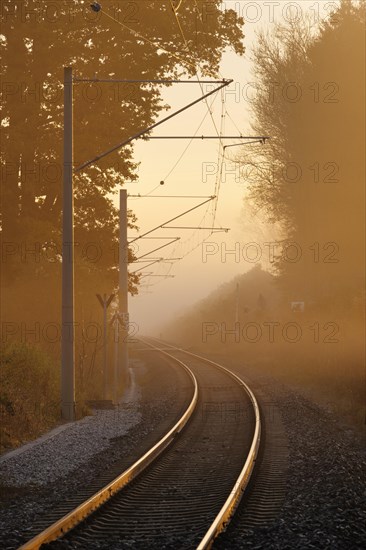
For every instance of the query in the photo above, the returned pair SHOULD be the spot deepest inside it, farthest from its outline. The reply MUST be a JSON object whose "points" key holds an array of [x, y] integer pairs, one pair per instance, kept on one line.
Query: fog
{"points": [[283, 240]]}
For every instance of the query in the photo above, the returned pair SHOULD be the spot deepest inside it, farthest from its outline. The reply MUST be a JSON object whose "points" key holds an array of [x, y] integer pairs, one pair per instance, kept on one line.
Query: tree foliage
{"points": [[38, 40], [126, 40], [310, 100], [120, 42]]}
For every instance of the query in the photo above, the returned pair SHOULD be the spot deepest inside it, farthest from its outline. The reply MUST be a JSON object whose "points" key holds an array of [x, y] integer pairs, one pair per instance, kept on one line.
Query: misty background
{"points": [[293, 259]]}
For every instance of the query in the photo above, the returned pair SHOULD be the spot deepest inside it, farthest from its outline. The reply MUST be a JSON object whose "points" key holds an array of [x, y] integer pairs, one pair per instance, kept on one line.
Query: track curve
{"points": [[184, 498]]}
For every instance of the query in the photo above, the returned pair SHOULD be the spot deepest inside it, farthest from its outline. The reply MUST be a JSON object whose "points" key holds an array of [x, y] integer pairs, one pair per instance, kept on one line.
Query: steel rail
{"points": [[227, 510], [225, 514], [70, 520]]}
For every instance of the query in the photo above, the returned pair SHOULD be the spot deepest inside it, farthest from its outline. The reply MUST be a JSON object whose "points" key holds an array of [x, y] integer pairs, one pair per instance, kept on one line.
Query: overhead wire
{"points": [[168, 52], [221, 152], [188, 50], [209, 107], [181, 245], [189, 144], [218, 132], [232, 120], [156, 45], [220, 161], [172, 54], [153, 43], [219, 72], [222, 156], [181, 156]]}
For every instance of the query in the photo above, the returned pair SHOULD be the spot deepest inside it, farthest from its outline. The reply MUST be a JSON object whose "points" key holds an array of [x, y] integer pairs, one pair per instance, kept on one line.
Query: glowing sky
{"points": [[195, 175]]}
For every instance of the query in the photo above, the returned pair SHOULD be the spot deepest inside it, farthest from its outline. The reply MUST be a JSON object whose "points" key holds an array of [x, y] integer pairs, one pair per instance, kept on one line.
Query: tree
{"points": [[310, 100], [127, 39], [38, 40]]}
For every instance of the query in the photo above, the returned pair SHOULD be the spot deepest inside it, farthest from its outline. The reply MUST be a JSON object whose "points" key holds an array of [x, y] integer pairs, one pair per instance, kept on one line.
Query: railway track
{"points": [[184, 490], [265, 495]]}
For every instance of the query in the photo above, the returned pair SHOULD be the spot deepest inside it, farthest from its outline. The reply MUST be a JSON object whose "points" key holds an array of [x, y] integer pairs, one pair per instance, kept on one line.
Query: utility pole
{"points": [[116, 321], [115, 370], [123, 285], [68, 325], [237, 304]]}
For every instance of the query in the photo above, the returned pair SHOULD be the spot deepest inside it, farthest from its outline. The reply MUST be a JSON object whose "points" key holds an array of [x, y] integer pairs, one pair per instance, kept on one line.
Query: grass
{"points": [[29, 397]]}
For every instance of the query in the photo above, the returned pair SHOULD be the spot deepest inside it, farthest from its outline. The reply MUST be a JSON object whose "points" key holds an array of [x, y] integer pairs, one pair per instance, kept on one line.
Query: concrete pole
{"points": [[123, 285], [105, 373], [68, 326], [115, 377]]}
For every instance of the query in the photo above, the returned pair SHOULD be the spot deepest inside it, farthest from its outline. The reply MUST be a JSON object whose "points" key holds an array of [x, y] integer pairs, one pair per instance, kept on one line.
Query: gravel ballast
{"points": [[111, 439], [325, 502], [324, 505], [62, 453]]}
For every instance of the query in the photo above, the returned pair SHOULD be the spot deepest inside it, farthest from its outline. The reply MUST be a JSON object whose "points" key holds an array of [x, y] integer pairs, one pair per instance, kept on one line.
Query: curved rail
{"points": [[70, 520], [223, 517], [226, 512]]}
